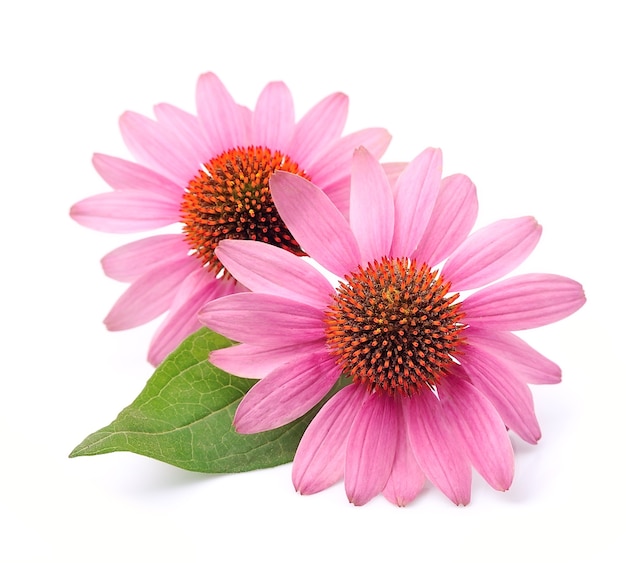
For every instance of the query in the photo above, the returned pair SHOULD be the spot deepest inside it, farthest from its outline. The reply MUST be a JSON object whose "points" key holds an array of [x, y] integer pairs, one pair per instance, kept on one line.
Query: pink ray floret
{"points": [[392, 427]]}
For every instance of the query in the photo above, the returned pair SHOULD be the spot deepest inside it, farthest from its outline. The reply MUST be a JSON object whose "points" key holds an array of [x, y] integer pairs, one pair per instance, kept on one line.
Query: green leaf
{"points": [[184, 417]]}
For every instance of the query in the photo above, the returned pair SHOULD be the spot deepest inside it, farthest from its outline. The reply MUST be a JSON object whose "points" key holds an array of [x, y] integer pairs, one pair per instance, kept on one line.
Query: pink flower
{"points": [[436, 380], [210, 174]]}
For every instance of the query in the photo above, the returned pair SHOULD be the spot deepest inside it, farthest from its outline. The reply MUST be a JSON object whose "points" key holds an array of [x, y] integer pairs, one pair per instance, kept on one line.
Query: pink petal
{"points": [[491, 252], [511, 398], [318, 226], [406, 479], [371, 207], [186, 128], [222, 120], [416, 191], [127, 211], [320, 458], [436, 447], [321, 125], [480, 429], [371, 447], [452, 219], [121, 174], [393, 171], [246, 115], [331, 170], [150, 295], [522, 302], [182, 320], [132, 260], [154, 145], [525, 361], [264, 268], [263, 320], [287, 393], [256, 362], [274, 120]]}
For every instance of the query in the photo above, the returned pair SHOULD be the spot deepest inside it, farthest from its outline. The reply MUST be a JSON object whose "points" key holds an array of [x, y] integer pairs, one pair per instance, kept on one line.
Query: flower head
{"points": [[210, 174], [436, 379]]}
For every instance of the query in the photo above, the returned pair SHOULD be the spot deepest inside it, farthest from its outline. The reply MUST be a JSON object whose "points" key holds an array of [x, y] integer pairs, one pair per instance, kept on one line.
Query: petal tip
{"points": [[356, 501], [239, 426], [399, 501], [110, 323], [208, 76]]}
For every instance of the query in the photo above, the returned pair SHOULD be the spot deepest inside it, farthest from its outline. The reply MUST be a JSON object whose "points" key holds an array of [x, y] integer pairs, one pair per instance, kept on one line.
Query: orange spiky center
{"points": [[231, 199], [394, 327]]}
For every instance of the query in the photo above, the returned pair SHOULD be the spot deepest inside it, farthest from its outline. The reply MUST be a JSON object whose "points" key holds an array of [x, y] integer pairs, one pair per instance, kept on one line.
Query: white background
{"points": [[527, 98]]}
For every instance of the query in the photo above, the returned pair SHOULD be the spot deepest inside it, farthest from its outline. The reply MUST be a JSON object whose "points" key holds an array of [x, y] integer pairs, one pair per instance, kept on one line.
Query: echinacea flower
{"points": [[436, 380], [210, 175]]}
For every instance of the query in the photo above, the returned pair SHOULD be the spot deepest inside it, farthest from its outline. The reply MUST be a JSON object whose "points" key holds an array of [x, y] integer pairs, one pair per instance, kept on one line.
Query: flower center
{"points": [[393, 326], [230, 199]]}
